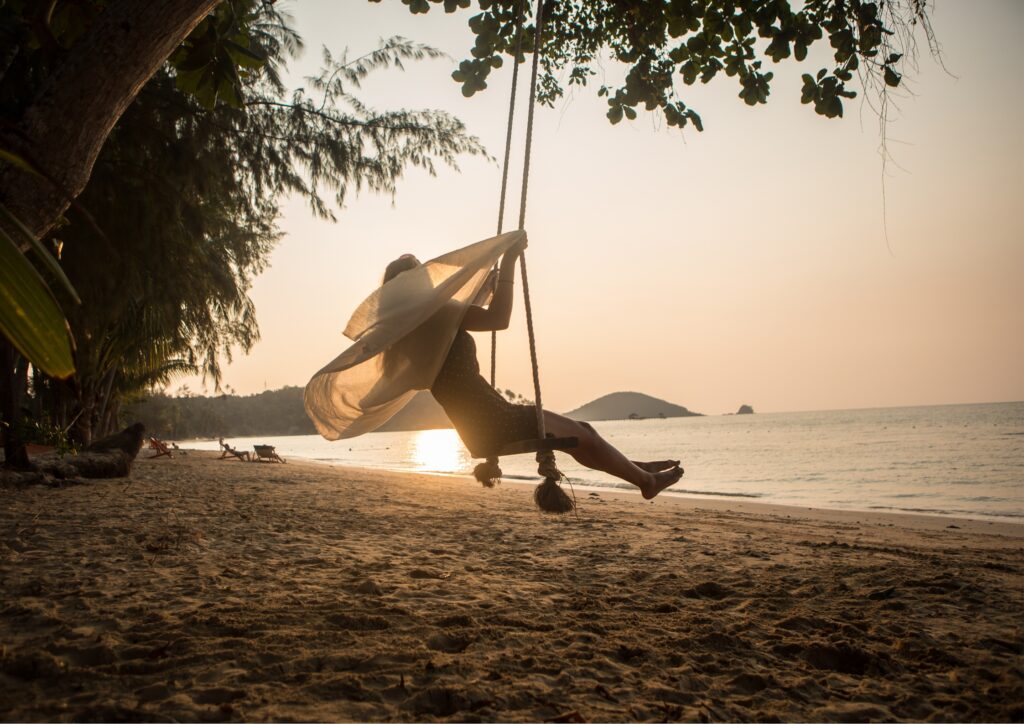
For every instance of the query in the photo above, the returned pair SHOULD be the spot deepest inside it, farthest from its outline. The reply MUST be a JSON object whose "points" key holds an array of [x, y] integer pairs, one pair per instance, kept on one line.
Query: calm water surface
{"points": [[964, 460]]}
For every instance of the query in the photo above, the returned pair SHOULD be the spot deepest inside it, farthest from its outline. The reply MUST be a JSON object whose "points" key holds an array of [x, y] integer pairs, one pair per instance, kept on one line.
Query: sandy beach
{"points": [[206, 589]]}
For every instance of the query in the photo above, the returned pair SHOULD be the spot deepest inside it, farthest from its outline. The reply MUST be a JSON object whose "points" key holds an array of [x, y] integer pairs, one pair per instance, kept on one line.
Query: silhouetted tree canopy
{"points": [[184, 198], [665, 42]]}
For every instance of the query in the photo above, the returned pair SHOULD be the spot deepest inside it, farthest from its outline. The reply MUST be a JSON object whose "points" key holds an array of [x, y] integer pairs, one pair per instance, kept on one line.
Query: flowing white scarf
{"points": [[414, 317]]}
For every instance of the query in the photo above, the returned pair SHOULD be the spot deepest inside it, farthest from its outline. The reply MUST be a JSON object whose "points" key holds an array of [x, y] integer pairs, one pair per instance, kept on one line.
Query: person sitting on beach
{"points": [[486, 421], [242, 455]]}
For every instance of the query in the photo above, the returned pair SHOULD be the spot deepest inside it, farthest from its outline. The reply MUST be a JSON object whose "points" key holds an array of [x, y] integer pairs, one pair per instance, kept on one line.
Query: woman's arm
{"points": [[498, 313]]}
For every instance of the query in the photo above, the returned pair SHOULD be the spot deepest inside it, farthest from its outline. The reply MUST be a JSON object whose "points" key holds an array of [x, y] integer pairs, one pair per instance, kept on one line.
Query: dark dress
{"points": [[484, 419]]}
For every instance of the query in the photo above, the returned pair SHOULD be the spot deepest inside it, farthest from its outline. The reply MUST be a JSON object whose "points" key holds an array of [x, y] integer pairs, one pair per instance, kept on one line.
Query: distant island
{"points": [[745, 410], [628, 406]]}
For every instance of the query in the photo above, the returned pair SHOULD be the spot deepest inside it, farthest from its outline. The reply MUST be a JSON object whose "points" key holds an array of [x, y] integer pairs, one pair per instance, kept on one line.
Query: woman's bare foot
{"points": [[660, 481], [657, 466]]}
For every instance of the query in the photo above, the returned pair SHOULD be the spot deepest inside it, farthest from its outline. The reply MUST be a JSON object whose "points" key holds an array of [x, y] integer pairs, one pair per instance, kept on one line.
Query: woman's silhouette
{"points": [[486, 421]]}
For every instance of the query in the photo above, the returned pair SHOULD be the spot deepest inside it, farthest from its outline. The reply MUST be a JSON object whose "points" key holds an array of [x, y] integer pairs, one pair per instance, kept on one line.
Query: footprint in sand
{"points": [[708, 589], [747, 684], [429, 573], [438, 701], [358, 622], [369, 588], [457, 620], [451, 643], [843, 658]]}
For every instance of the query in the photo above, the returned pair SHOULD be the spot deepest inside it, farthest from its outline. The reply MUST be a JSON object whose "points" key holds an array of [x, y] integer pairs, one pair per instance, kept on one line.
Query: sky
{"points": [[771, 260]]}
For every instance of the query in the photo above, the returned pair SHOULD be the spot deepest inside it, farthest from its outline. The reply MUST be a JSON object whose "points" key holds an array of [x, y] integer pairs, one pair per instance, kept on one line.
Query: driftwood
{"points": [[99, 464], [110, 457], [69, 469]]}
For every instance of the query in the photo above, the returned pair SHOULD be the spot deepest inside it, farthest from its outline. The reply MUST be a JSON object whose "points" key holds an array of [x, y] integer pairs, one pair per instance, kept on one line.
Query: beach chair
{"points": [[160, 447], [228, 451], [267, 454]]}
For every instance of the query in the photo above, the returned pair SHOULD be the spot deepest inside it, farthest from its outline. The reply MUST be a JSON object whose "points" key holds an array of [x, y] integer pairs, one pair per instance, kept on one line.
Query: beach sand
{"points": [[208, 589]]}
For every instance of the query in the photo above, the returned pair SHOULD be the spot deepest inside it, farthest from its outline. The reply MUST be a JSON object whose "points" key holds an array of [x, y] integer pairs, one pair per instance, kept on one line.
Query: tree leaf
{"points": [[17, 161], [29, 315], [44, 256], [245, 56]]}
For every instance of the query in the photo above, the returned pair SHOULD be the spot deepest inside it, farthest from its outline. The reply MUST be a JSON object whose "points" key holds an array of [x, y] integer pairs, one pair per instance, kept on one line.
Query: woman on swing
{"points": [[486, 421]]}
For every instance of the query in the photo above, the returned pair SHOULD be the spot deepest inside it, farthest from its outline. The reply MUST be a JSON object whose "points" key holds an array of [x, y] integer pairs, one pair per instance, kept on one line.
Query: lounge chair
{"points": [[160, 447], [228, 451], [267, 454]]}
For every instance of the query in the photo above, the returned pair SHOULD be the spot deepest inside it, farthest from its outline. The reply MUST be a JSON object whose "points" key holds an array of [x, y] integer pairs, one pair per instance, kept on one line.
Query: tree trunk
{"points": [[69, 118], [81, 432], [102, 425]]}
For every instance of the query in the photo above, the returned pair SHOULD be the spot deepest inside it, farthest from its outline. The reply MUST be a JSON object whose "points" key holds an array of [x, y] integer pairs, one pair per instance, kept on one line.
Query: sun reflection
{"points": [[437, 451]]}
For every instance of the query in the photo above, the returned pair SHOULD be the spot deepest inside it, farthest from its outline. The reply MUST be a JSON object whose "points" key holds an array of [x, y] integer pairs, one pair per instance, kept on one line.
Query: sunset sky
{"points": [[746, 264]]}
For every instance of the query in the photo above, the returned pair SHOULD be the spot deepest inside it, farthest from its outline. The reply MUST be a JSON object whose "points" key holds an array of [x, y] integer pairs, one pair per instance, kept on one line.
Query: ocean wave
{"points": [[724, 494], [954, 512]]}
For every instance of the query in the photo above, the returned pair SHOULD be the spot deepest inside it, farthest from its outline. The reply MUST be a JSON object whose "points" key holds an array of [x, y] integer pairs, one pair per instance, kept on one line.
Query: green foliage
{"points": [[219, 56], [515, 397], [214, 64], [34, 36], [187, 197], [42, 431], [276, 412], [29, 315], [662, 41], [356, 148]]}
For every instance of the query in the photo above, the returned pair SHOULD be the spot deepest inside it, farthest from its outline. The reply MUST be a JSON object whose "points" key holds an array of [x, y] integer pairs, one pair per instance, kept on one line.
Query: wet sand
{"points": [[208, 589]]}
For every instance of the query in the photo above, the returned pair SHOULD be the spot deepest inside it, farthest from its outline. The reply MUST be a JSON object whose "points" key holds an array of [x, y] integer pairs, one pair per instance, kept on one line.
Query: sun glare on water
{"points": [[438, 451]]}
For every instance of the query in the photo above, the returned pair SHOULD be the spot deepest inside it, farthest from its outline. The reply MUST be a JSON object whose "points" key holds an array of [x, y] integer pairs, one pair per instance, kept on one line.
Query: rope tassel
{"points": [[488, 473], [549, 496]]}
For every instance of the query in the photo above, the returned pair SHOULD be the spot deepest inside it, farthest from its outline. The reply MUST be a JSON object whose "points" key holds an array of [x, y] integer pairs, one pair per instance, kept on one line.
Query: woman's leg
{"points": [[596, 453], [656, 466]]}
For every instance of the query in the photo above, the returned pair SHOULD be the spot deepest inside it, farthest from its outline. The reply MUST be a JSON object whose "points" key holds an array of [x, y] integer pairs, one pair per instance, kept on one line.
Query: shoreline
{"points": [[1006, 525], [206, 589], [980, 492]]}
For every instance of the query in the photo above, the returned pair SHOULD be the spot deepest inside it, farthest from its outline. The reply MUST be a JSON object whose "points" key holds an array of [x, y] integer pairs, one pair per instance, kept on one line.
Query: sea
{"points": [[946, 460]]}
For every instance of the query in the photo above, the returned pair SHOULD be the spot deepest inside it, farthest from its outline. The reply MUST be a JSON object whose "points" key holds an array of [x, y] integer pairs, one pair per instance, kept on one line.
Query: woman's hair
{"points": [[403, 263]]}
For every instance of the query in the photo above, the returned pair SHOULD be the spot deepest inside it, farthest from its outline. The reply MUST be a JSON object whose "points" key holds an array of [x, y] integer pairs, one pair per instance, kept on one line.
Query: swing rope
{"points": [[504, 166], [538, 22], [549, 496]]}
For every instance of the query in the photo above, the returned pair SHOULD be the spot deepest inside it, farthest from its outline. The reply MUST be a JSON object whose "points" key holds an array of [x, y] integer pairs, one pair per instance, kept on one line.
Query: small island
{"points": [[628, 406], [745, 410]]}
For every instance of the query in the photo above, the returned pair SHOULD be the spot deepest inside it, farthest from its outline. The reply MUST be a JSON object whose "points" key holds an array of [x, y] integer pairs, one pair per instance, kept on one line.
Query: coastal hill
{"points": [[628, 405]]}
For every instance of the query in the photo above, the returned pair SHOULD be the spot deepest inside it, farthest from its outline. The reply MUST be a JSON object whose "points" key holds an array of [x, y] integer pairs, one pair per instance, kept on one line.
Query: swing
{"points": [[549, 495], [412, 319]]}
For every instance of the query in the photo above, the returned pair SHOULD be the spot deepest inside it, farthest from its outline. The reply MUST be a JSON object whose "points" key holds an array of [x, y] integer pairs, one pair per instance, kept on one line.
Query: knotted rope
{"points": [[504, 166], [549, 495], [488, 472]]}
